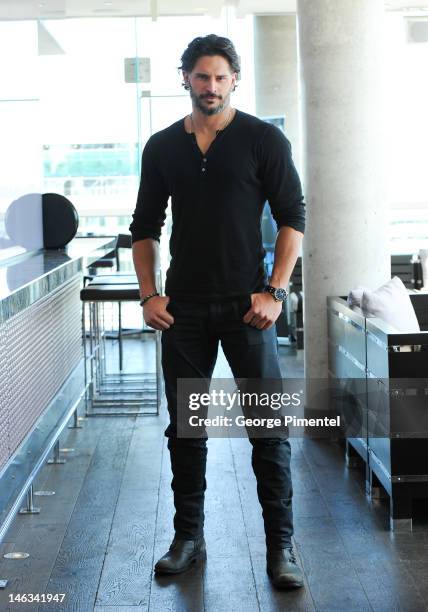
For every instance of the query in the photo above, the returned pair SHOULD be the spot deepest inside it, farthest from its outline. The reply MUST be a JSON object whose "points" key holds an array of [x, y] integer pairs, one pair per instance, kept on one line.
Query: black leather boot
{"points": [[181, 555], [282, 568]]}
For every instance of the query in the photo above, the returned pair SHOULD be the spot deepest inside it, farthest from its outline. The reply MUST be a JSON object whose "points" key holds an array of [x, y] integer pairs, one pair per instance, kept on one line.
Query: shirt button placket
{"points": [[204, 168]]}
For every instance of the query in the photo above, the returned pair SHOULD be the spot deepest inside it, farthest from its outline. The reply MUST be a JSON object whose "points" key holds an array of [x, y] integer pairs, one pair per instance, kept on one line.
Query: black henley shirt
{"points": [[217, 201]]}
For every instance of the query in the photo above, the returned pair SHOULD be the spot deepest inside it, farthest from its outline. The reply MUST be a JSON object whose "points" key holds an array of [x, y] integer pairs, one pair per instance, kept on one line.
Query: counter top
{"points": [[27, 278]]}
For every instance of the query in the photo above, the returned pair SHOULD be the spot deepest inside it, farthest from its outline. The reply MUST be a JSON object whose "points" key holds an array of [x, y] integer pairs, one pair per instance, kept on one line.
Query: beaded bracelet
{"points": [[147, 297]]}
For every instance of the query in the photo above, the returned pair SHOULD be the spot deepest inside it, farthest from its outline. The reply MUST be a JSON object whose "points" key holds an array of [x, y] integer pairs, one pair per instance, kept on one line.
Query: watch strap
{"points": [[278, 293]]}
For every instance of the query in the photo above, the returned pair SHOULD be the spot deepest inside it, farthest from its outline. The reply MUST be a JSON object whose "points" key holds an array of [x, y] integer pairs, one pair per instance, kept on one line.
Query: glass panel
{"points": [[81, 130], [20, 154], [406, 135], [89, 114]]}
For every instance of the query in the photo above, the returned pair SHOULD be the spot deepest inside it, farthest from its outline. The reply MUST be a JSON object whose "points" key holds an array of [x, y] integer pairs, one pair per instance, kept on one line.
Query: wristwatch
{"points": [[278, 293]]}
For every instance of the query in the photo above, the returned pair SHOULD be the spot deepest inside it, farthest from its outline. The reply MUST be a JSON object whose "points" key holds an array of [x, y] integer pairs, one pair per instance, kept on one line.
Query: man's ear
{"points": [[186, 79]]}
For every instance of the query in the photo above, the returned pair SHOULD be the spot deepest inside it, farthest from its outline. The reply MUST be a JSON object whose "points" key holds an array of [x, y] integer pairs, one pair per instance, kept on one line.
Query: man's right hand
{"points": [[155, 313]]}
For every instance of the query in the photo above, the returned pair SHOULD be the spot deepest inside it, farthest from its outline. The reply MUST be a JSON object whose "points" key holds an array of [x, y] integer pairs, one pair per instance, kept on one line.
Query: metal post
{"points": [[75, 421], [30, 509], [56, 457]]}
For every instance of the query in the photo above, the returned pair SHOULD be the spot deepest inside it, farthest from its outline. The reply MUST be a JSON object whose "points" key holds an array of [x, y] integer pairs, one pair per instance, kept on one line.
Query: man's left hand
{"points": [[264, 311]]}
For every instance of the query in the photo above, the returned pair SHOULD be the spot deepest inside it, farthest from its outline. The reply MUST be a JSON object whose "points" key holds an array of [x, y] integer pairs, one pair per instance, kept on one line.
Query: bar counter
{"points": [[41, 367], [27, 278]]}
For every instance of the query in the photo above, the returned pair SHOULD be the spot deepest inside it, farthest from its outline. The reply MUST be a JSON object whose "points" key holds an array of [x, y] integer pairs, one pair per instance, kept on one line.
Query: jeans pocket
{"points": [[253, 335]]}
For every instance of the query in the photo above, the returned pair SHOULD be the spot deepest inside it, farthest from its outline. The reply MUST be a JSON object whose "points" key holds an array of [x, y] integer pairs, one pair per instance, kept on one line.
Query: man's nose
{"points": [[212, 85]]}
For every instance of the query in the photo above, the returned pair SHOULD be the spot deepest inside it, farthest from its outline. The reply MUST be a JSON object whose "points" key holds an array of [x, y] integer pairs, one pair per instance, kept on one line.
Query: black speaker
{"points": [[36, 221], [60, 221]]}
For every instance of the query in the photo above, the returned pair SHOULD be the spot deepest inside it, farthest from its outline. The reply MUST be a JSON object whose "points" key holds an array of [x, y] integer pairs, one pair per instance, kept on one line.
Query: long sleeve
{"points": [[149, 215], [280, 180]]}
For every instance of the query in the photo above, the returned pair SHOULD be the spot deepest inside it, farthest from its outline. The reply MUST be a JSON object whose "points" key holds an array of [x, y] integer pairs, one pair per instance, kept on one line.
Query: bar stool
{"points": [[116, 393], [107, 261], [117, 278], [123, 241]]}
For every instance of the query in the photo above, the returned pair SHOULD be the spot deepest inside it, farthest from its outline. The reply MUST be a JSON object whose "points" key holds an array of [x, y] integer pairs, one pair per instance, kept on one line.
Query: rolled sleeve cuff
{"points": [[142, 234], [296, 224]]}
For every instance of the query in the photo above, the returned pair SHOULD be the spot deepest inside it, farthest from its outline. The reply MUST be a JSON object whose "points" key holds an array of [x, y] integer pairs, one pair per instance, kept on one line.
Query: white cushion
{"points": [[392, 304], [423, 254], [354, 297]]}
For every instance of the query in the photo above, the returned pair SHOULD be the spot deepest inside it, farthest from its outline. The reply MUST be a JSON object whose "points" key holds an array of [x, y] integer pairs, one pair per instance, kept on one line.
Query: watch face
{"points": [[280, 294]]}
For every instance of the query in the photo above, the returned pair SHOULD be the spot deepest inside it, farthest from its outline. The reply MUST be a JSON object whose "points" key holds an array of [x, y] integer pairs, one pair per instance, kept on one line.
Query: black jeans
{"points": [[189, 350]]}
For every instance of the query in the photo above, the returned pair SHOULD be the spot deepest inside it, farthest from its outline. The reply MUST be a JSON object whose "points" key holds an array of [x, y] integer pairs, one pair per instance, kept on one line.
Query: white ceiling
{"points": [[51, 9]]}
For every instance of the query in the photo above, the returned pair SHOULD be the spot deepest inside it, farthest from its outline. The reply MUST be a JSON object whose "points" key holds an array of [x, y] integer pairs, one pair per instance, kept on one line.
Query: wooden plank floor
{"points": [[97, 538]]}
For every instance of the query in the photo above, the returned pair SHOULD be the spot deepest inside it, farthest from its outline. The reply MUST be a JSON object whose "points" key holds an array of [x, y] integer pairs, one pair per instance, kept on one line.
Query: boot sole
{"points": [[297, 584], [198, 557]]}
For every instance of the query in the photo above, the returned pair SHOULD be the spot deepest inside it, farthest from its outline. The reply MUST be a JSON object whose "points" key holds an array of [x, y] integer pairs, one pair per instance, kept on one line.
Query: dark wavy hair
{"points": [[210, 45]]}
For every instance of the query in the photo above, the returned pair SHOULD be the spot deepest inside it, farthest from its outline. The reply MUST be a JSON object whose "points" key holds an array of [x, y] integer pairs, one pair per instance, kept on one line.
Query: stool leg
{"points": [[97, 347], [97, 334], [120, 336], [87, 383], [75, 413], [101, 353], [89, 374], [103, 344], [92, 347], [102, 340], [85, 355]]}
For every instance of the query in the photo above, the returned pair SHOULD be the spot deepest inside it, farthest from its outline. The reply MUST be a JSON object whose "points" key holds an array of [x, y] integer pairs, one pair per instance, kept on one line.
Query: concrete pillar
{"points": [[346, 237], [276, 74]]}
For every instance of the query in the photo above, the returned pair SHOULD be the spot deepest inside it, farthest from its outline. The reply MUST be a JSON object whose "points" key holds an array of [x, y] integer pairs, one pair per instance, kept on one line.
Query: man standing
{"points": [[219, 165]]}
